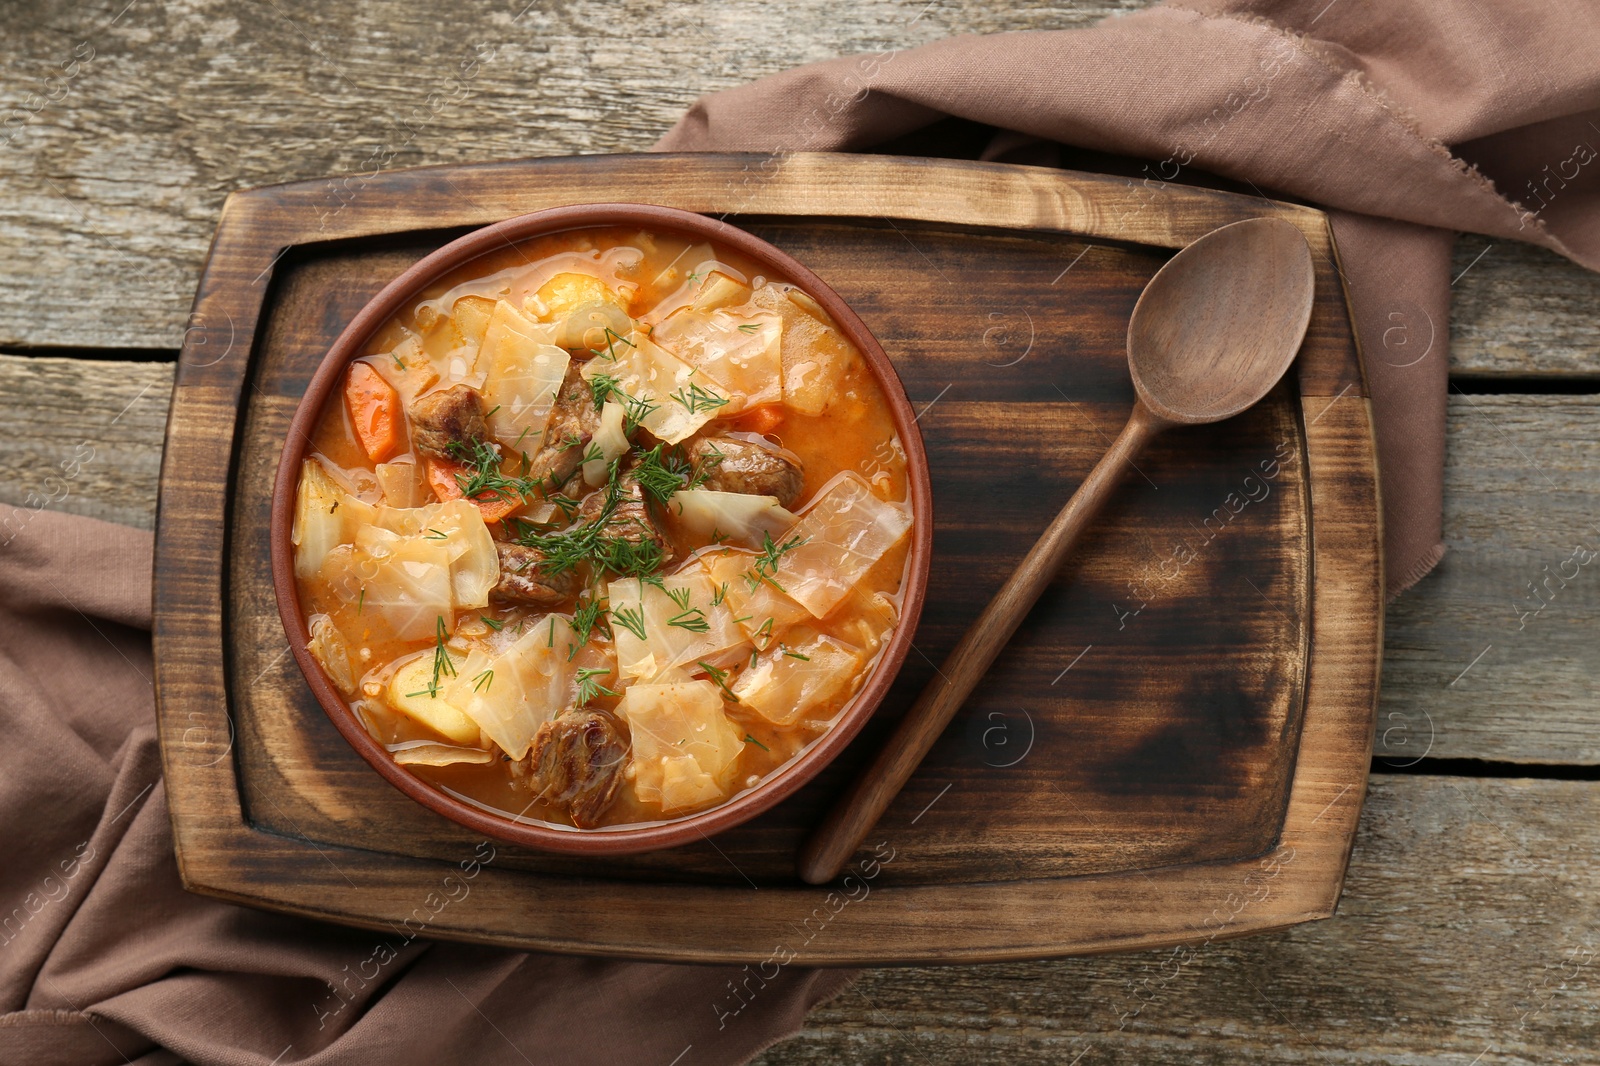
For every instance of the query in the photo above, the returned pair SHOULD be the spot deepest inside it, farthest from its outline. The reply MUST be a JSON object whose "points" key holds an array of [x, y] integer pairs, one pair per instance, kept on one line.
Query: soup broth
{"points": [[603, 529]]}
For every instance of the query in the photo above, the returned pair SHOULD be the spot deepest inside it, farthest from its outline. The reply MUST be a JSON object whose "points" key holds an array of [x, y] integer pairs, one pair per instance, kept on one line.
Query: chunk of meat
{"points": [[522, 580], [448, 424], [573, 420], [576, 762], [631, 519], [738, 465]]}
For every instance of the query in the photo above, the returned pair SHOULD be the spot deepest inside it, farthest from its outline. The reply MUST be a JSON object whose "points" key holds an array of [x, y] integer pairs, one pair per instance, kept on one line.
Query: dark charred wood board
{"points": [[1173, 748]]}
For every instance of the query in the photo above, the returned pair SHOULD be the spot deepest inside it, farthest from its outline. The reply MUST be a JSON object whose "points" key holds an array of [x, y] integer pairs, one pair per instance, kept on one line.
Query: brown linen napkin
{"points": [[1343, 104], [105, 959]]}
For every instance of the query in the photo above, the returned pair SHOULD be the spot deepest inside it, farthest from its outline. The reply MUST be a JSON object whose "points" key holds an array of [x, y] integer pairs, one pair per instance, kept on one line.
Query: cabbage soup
{"points": [[603, 529]]}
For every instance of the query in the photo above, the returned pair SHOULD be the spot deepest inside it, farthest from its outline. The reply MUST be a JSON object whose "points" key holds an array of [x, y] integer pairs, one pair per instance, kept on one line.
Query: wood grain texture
{"points": [[122, 175], [1494, 655], [126, 165], [83, 437], [1221, 782], [1467, 926]]}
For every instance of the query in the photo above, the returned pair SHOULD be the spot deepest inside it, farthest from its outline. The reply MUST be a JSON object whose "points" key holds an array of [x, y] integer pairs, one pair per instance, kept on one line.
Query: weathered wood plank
{"points": [[1517, 310], [1503, 520], [1474, 668], [83, 436], [1467, 929], [111, 185], [110, 190]]}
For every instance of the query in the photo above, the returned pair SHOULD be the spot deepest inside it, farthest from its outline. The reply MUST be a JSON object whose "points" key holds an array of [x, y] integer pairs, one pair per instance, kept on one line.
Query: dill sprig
{"points": [[660, 472], [612, 337], [693, 620], [585, 620], [748, 739], [719, 678], [484, 476], [631, 619], [635, 409], [697, 398], [588, 687], [442, 666]]}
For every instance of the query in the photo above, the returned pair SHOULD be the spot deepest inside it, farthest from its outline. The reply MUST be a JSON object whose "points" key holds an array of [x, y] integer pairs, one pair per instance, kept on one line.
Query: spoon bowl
{"points": [[1208, 337]]}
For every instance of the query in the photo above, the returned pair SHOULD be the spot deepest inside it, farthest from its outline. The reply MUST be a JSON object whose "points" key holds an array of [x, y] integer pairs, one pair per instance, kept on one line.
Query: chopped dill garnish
{"points": [[748, 739], [588, 687], [482, 682], [631, 619], [491, 410], [584, 622], [552, 641], [484, 477], [749, 327], [765, 568], [612, 337], [720, 595], [719, 678], [659, 472], [635, 409], [791, 653], [680, 596], [698, 398], [763, 635], [361, 600], [398, 362], [718, 536], [442, 666], [692, 620], [704, 467], [434, 534], [493, 623]]}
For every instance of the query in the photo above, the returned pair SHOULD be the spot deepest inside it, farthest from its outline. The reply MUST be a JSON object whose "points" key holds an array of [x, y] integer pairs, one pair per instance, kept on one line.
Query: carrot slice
{"points": [[763, 419], [374, 411], [442, 479]]}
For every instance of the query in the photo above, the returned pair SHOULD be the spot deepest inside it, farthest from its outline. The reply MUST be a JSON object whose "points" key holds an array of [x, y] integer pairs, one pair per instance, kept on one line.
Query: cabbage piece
{"points": [[719, 290], [415, 692], [764, 612], [680, 398], [523, 370], [403, 485], [797, 675], [432, 753], [612, 440], [457, 526], [741, 353], [841, 534], [399, 586], [679, 622], [684, 750], [325, 516], [328, 646], [511, 694], [816, 356], [738, 517]]}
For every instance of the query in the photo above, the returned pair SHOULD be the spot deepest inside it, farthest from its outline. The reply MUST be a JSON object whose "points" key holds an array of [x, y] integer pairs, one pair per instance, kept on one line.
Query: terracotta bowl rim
{"points": [[623, 840]]}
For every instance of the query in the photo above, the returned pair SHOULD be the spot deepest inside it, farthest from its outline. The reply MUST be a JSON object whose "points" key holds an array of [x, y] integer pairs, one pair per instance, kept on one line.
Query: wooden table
{"points": [[1469, 921]]}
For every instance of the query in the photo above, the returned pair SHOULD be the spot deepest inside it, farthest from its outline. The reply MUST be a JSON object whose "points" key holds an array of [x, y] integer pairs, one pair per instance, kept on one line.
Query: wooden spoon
{"points": [[1212, 333]]}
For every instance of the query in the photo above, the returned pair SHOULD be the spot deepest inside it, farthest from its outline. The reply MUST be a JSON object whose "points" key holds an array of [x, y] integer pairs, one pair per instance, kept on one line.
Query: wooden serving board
{"points": [[1174, 747]]}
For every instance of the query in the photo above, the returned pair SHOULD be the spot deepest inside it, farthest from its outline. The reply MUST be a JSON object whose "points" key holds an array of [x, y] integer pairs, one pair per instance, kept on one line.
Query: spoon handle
{"points": [[855, 813]]}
